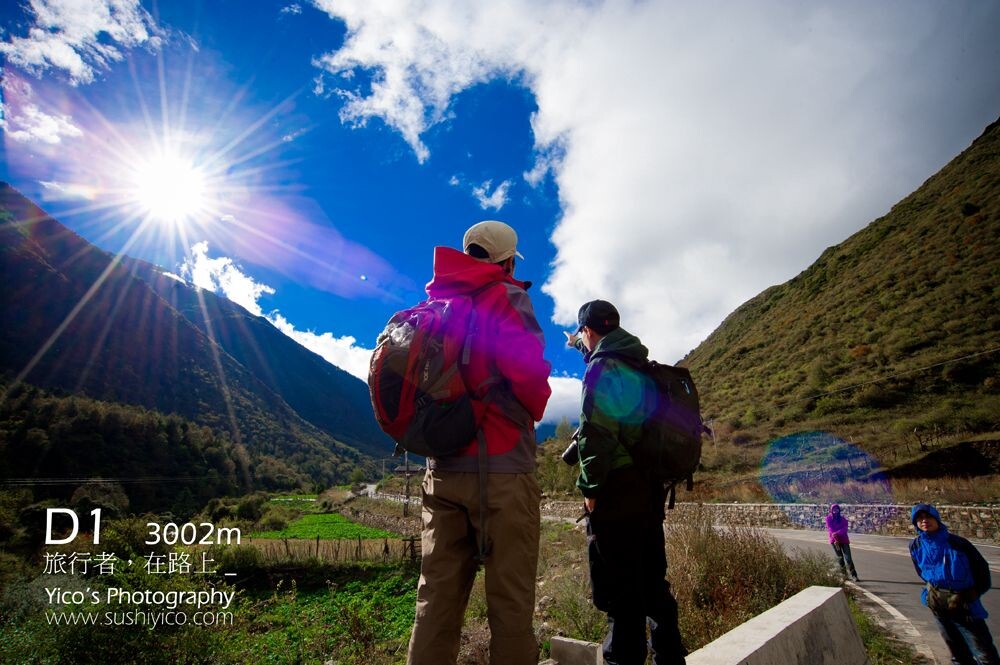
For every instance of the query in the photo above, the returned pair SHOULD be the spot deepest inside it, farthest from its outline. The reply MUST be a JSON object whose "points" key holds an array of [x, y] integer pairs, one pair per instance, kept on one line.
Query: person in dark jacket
{"points": [[506, 352], [956, 575], [628, 561], [836, 529]]}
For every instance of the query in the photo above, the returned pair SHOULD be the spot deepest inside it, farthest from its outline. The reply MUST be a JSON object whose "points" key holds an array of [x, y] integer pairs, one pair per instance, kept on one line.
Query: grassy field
{"points": [[329, 526], [362, 617], [297, 607]]}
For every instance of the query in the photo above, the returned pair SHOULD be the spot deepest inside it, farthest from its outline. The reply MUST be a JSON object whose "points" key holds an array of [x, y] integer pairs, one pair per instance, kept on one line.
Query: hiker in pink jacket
{"points": [[836, 528]]}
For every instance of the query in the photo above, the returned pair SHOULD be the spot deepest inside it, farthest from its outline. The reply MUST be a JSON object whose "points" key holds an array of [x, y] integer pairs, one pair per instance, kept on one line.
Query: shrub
{"points": [[723, 578], [570, 607], [109, 496], [244, 560], [876, 396], [275, 519], [251, 507], [127, 537]]}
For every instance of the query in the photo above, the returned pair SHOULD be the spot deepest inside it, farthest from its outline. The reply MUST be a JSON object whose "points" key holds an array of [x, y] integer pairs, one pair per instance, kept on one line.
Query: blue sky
{"points": [[674, 158]]}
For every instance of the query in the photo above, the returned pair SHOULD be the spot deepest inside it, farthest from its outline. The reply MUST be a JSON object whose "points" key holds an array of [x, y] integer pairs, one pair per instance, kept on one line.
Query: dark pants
{"points": [[628, 566], [843, 552], [969, 641]]}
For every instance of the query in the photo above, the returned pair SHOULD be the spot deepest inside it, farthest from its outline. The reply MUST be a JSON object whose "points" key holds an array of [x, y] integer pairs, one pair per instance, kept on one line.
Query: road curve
{"points": [[884, 566]]}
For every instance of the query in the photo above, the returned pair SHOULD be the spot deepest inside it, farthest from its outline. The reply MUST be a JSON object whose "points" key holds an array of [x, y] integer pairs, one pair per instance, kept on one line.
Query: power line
{"points": [[18, 482]]}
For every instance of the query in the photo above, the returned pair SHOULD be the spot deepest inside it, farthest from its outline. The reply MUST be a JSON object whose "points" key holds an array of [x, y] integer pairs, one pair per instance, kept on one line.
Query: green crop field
{"points": [[326, 526], [305, 504]]}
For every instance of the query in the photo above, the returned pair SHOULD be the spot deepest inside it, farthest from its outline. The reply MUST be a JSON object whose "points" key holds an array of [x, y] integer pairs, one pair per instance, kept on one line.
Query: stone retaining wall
{"points": [[975, 522]]}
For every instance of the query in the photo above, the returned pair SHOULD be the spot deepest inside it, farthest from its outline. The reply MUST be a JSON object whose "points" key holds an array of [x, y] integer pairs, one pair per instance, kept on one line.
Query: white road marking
{"points": [[903, 624], [811, 537]]}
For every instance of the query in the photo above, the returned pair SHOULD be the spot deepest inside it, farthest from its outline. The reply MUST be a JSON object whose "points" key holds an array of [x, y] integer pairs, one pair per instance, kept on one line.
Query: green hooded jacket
{"points": [[614, 398]]}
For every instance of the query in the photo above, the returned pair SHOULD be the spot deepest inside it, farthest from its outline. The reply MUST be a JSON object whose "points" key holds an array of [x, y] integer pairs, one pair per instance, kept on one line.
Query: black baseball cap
{"points": [[598, 315]]}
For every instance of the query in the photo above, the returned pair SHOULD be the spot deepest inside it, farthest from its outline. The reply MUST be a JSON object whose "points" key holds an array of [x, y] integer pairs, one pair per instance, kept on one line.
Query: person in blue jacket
{"points": [[956, 575]]}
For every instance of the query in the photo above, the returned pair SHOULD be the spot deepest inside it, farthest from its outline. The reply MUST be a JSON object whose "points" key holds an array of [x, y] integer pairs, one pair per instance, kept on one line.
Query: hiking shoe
{"points": [[856, 578]]}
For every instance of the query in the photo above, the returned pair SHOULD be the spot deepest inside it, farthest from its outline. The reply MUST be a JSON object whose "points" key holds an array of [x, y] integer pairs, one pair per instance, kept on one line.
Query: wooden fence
{"points": [[375, 549]]}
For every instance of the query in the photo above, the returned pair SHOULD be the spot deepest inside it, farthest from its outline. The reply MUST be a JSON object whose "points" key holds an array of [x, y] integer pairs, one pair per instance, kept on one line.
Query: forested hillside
{"points": [[79, 321]]}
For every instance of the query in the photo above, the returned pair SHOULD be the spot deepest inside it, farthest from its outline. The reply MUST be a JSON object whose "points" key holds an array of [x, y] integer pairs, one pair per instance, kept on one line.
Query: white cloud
{"points": [[293, 9], [487, 199], [419, 68], [725, 144], [565, 400], [57, 191], [340, 351], [33, 124], [319, 86], [495, 200], [80, 37], [23, 121], [547, 160], [222, 275], [291, 136]]}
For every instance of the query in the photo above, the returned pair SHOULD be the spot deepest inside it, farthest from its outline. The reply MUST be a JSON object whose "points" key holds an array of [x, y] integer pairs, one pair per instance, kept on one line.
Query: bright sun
{"points": [[170, 188]]}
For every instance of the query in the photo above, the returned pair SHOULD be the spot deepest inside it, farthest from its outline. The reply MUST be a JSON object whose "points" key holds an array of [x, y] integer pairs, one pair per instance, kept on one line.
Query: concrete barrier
{"points": [[565, 651], [813, 627]]}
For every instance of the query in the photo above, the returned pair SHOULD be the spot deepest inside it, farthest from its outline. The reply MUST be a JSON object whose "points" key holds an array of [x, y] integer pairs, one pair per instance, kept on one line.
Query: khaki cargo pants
{"points": [[449, 542]]}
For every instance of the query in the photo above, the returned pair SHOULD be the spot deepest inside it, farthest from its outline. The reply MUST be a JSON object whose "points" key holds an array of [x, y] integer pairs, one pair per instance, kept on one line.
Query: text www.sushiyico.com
{"points": [[138, 618]]}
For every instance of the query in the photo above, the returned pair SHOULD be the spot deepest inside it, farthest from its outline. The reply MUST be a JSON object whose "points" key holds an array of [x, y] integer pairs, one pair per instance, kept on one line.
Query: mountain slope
{"points": [[890, 308], [321, 393], [113, 338]]}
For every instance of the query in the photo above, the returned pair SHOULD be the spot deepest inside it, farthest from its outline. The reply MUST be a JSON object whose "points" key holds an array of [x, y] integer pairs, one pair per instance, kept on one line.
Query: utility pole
{"points": [[406, 471]]}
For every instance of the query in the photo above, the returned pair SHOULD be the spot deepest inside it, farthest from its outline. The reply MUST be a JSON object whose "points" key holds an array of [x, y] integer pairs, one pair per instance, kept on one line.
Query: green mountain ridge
{"points": [[122, 341], [321, 393], [895, 331]]}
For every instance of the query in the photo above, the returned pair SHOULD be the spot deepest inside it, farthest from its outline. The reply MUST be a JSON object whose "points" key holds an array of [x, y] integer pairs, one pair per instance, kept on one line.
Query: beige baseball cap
{"points": [[498, 239]]}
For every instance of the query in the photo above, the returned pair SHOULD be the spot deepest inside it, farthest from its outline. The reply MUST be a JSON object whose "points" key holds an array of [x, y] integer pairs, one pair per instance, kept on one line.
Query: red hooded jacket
{"points": [[509, 345]]}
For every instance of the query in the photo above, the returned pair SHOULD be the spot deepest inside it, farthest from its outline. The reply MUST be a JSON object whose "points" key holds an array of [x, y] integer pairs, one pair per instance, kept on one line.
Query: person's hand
{"points": [[935, 601], [571, 339], [967, 596], [589, 503]]}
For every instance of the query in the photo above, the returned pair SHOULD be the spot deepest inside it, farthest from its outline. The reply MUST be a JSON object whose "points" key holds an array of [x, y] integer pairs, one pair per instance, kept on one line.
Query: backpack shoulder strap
{"points": [[914, 548], [484, 546], [981, 578], [471, 327]]}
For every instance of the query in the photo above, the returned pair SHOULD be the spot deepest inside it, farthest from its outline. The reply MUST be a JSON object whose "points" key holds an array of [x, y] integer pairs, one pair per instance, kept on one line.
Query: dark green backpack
{"points": [[670, 446]]}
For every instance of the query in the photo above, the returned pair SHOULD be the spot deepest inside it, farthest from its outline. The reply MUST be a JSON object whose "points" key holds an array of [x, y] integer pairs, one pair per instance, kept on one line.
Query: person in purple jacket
{"points": [[836, 528]]}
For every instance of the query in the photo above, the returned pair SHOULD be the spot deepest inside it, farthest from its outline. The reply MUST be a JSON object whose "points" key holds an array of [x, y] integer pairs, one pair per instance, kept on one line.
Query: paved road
{"points": [[884, 566]]}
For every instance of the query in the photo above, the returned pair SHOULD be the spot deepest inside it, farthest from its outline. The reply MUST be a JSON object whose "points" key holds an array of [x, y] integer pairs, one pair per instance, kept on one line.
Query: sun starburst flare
{"points": [[170, 188]]}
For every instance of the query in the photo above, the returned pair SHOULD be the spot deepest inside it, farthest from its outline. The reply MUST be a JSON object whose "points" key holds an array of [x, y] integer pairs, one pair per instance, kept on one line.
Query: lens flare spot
{"points": [[818, 467]]}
